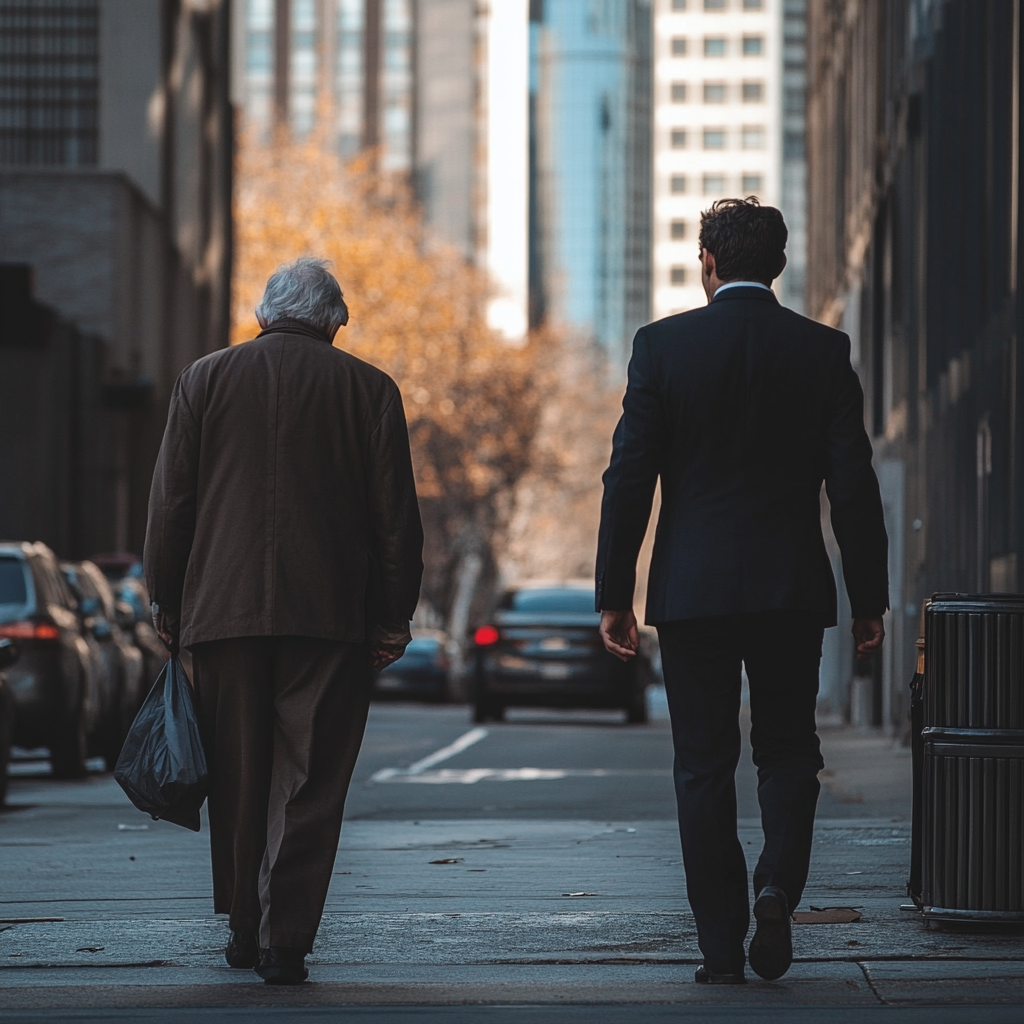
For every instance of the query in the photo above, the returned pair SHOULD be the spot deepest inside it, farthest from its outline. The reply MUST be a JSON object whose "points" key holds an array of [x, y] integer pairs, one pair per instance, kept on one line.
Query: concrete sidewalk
{"points": [[484, 911]]}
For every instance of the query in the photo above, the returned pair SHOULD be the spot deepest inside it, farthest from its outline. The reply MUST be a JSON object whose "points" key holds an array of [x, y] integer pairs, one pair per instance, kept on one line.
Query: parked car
{"points": [[542, 648], [122, 659], [420, 674], [124, 574], [8, 656], [59, 683]]}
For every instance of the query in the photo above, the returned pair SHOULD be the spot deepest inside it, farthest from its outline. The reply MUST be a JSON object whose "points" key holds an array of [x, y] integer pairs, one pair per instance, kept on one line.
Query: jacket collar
{"points": [[289, 325], [747, 292]]}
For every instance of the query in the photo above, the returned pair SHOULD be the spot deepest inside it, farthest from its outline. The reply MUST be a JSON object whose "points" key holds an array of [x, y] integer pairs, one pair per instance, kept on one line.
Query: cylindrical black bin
{"points": [[972, 851]]}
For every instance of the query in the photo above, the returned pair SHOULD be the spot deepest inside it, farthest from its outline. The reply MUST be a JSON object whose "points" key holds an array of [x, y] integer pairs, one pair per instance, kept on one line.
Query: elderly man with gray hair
{"points": [[284, 550]]}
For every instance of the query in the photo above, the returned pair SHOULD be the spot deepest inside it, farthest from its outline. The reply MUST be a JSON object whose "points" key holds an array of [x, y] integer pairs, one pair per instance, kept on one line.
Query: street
{"points": [[524, 865]]}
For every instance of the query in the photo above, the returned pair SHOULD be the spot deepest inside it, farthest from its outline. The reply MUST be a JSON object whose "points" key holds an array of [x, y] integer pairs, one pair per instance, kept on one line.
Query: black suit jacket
{"points": [[283, 498], [742, 408]]}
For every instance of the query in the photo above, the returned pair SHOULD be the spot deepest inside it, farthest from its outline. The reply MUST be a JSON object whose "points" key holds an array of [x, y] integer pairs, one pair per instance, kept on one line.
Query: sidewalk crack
{"points": [[871, 984]]}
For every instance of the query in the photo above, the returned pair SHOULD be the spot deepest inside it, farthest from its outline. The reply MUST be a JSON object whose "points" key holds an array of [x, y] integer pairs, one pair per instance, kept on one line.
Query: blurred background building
{"points": [[914, 219], [723, 78], [590, 172], [115, 245]]}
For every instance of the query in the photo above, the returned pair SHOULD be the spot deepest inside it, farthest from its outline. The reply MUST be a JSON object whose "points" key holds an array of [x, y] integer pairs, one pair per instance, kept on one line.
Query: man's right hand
{"points": [[382, 655], [868, 635], [619, 633]]}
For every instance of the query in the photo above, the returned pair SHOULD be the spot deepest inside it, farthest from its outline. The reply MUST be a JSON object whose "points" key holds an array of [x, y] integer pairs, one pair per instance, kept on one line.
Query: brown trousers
{"points": [[282, 719]]}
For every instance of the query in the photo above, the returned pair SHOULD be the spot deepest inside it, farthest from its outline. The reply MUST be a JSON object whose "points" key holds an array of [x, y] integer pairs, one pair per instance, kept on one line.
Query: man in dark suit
{"points": [[284, 550], [742, 408]]}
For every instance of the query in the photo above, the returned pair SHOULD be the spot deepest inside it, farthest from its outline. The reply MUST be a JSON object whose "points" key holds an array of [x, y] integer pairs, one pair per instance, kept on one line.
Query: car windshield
{"points": [[573, 600], [13, 589]]}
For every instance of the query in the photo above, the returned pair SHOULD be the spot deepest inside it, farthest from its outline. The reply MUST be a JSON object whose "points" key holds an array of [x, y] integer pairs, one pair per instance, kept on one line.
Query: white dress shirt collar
{"points": [[741, 284]]}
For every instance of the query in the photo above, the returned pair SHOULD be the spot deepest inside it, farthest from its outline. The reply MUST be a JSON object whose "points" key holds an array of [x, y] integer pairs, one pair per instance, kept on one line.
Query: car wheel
{"points": [[69, 744], [636, 709], [486, 711]]}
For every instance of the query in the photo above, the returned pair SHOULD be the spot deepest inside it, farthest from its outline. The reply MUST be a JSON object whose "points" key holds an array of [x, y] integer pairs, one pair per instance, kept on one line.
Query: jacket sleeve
{"points": [[629, 483], [172, 507], [398, 533], [852, 489]]}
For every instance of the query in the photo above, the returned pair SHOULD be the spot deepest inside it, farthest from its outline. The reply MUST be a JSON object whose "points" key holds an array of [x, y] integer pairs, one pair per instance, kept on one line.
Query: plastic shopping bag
{"points": [[162, 766]]}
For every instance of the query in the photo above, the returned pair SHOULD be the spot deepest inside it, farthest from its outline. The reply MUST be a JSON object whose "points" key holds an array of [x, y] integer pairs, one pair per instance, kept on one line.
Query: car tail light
{"points": [[485, 636], [29, 631]]}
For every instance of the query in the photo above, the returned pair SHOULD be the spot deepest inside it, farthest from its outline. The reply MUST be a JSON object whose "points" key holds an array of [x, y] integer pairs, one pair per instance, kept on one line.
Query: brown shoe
{"points": [[280, 965]]}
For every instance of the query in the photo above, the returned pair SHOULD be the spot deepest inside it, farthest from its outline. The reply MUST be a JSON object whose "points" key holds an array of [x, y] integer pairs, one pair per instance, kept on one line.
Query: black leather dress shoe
{"points": [[705, 977], [771, 949], [280, 965], [243, 948]]}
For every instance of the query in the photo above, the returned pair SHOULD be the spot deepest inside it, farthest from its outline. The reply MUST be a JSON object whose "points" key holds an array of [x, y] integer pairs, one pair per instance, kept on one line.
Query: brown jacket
{"points": [[283, 500]]}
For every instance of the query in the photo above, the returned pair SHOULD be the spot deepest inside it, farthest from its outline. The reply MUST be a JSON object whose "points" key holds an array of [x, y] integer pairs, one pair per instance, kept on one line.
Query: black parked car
{"points": [[8, 656], [420, 674], [104, 621], [542, 648], [59, 683]]}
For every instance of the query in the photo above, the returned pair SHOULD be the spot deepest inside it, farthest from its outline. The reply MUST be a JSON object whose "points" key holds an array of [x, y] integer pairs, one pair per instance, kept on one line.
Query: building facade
{"points": [[116, 142], [717, 127], [914, 157], [590, 84]]}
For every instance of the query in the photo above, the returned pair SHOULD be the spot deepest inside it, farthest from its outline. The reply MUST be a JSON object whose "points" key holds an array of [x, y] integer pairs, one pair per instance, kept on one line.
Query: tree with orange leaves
{"points": [[417, 311]]}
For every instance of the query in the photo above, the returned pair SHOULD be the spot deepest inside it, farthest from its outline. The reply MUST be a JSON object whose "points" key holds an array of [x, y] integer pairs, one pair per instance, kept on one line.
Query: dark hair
{"points": [[748, 240]]}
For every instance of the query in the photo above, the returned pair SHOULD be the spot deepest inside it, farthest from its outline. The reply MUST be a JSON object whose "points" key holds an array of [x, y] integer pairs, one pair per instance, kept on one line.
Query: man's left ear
{"points": [[261, 320]]}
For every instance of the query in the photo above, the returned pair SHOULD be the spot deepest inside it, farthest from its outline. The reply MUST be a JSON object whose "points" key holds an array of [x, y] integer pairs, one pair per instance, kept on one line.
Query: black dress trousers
{"points": [[282, 719], [702, 661]]}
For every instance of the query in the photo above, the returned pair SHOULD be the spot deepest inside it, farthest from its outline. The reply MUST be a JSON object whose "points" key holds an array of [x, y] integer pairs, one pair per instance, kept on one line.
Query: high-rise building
{"points": [[717, 127], [590, 98], [116, 136]]}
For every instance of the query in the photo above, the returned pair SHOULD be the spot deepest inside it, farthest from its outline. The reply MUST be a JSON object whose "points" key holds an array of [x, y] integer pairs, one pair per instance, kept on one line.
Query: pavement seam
{"points": [[871, 984]]}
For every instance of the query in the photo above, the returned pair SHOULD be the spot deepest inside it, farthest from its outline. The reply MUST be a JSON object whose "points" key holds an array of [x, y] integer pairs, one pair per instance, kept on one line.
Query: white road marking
{"points": [[467, 776], [409, 774]]}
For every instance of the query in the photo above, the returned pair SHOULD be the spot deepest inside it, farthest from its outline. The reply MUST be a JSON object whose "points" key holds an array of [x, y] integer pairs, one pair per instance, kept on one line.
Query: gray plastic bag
{"points": [[162, 766]]}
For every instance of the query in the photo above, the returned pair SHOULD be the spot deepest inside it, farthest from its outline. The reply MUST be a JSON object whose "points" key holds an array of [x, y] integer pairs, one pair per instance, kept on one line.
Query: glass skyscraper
{"points": [[590, 166]]}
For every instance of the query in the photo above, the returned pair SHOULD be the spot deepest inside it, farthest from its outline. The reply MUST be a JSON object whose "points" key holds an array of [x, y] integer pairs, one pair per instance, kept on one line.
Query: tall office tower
{"points": [[350, 61], [793, 188], [718, 127], [116, 136], [590, 101]]}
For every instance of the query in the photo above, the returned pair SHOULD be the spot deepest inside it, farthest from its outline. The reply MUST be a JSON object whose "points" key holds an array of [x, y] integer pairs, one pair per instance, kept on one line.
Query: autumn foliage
{"points": [[417, 311]]}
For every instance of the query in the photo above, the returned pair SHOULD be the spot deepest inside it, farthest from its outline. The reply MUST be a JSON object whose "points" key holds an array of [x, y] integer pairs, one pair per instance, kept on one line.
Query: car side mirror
{"points": [[8, 653]]}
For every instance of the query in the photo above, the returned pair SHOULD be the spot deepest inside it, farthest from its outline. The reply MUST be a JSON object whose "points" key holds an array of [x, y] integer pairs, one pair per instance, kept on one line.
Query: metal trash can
{"points": [[972, 813]]}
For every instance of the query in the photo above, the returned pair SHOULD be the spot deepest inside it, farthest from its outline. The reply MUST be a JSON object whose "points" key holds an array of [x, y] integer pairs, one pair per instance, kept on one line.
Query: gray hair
{"points": [[304, 290]]}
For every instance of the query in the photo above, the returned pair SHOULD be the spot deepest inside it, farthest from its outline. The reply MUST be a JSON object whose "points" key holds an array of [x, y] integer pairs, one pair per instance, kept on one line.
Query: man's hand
{"points": [[166, 627], [382, 655], [619, 633], [868, 635]]}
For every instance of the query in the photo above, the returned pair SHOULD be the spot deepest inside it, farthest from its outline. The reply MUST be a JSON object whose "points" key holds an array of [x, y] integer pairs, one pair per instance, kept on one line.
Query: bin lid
{"points": [[979, 603]]}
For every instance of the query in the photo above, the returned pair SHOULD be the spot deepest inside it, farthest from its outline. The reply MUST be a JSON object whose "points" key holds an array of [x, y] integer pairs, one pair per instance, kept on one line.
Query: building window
{"points": [[714, 46], [396, 85], [678, 229], [678, 184], [753, 92], [753, 46], [679, 138], [714, 92], [753, 5], [678, 92], [753, 137], [714, 138], [678, 275], [752, 183], [714, 5], [349, 76], [794, 100], [679, 46], [302, 67], [714, 184], [49, 83], [678, 5]]}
